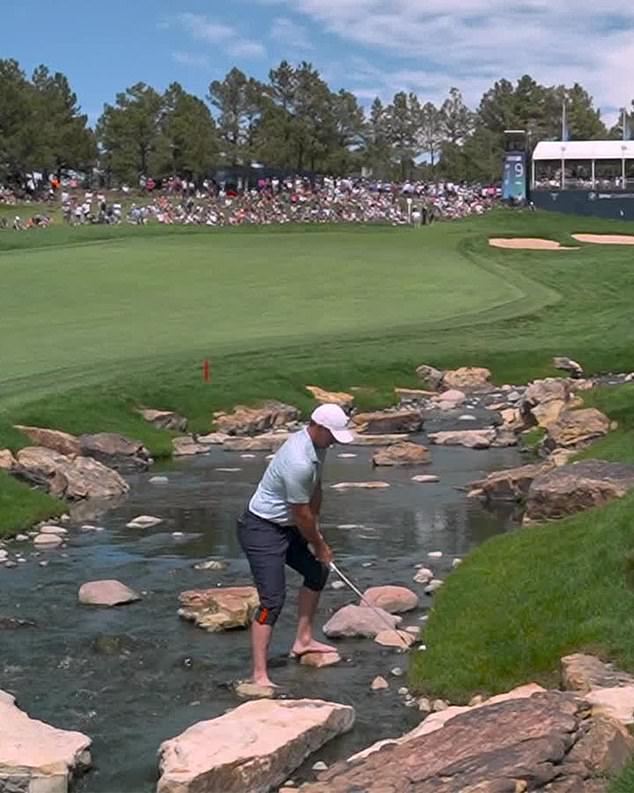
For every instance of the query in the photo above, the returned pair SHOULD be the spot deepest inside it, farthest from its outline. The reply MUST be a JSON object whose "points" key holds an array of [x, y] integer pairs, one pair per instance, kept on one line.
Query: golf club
{"points": [[358, 592]]}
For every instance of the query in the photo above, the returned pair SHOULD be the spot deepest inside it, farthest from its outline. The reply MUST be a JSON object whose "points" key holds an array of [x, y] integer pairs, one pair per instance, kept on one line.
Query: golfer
{"points": [[281, 521]]}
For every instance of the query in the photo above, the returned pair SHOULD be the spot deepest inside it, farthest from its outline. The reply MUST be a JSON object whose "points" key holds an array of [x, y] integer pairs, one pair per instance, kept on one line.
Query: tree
{"points": [[584, 120], [129, 132], [376, 151], [430, 131], [456, 118], [239, 103], [190, 142], [402, 130], [69, 143], [20, 139]]}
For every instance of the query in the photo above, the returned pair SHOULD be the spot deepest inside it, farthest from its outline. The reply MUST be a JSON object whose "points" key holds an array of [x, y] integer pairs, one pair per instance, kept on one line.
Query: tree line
{"points": [[293, 121]]}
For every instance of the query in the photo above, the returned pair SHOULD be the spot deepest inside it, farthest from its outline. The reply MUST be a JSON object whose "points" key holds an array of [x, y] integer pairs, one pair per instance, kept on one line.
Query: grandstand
{"points": [[584, 177]]}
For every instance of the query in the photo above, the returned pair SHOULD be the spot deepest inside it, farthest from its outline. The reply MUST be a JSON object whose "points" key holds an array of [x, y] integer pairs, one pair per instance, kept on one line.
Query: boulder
{"points": [[253, 748], [47, 541], [389, 421], [402, 454], [186, 446], [116, 451], [413, 394], [378, 440], [393, 599], [452, 396], [7, 460], [212, 438], [251, 421], [547, 413], [470, 439], [541, 391], [359, 621], [564, 364], [582, 673], [34, 756], [61, 442], [73, 478], [165, 419], [512, 484], [268, 442], [399, 639], [319, 660], [430, 376], [512, 419], [340, 398], [468, 378], [219, 609], [573, 488], [106, 593], [538, 743], [576, 428]]}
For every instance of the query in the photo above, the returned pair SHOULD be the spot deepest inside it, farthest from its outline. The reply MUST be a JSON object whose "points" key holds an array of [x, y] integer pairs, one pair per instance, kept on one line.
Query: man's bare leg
{"points": [[260, 640], [307, 607]]}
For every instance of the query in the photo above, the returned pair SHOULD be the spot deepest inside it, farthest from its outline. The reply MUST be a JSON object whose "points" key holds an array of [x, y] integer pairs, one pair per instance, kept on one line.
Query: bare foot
{"points": [[265, 682], [300, 648]]}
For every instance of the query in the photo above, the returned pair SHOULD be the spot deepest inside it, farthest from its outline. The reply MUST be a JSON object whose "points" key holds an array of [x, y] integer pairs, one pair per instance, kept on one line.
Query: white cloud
{"points": [[204, 29], [470, 43], [289, 34], [193, 59]]}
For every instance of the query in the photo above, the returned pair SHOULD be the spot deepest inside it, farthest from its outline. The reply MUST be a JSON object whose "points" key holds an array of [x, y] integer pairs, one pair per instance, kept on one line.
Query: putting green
{"points": [[87, 305]]}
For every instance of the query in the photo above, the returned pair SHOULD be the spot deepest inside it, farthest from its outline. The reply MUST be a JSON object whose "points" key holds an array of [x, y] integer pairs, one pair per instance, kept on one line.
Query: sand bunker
{"points": [[528, 244], [605, 239]]}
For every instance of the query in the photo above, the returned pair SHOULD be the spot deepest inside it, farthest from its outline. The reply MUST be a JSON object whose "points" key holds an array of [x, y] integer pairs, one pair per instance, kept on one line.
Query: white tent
{"points": [[583, 150]]}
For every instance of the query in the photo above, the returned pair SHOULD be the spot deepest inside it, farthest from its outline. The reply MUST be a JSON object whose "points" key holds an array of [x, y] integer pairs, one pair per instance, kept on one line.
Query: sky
{"points": [[371, 47]]}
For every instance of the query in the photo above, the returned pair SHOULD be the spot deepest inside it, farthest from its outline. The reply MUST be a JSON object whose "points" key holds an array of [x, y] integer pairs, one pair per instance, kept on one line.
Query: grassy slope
{"points": [[98, 320]]}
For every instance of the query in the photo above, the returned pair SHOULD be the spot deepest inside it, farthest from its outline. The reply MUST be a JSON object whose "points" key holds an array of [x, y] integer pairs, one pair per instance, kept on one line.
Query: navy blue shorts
{"points": [[269, 547]]}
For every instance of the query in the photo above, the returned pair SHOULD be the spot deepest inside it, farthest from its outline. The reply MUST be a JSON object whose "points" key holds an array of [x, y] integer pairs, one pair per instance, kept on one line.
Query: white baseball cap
{"points": [[334, 419]]}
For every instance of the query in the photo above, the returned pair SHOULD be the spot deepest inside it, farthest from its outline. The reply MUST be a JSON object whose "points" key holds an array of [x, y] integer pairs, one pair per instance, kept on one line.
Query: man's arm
{"points": [[308, 524], [315, 501]]}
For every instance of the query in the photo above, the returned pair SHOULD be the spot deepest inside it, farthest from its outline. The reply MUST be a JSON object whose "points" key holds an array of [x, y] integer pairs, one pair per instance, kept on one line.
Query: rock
{"points": [[7, 460], [116, 451], [576, 428], [468, 378], [435, 554], [245, 689], [438, 705], [512, 419], [500, 747], [559, 457], [251, 421], [47, 541], [399, 639], [337, 585], [36, 757], [548, 413], [423, 576], [430, 376], [60, 531], [4, 555], [424, 705], [319, 660], [397, 671], [389, 421], [186, 446], [433, 586], [379, 684], [540, 391], [453, 395], [360, 486], [353, 621], [57, 441], [378, 440], [270, 441], [467, 417], [13, 623], [106, 593], [617, 703], [511, 484], [413, 394], [504, 439], [402, 454], [211, 564], [21, 538], [144, 522], [573, 368], [426, 479], [471, 439], [212, 438], [219, 609], [393, 599], [456, 563], [252, 748], [74, 478], [165, 419], [340, 398], [159, 480], [573, 488], [582, 673]]}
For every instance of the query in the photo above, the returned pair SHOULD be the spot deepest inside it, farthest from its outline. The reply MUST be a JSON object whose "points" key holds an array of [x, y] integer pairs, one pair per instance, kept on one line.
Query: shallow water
{"points": [[134, 676]]}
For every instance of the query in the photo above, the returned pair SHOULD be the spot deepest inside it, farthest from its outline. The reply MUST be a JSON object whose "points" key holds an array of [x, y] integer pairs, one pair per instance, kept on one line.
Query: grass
{"points": [[96, 321], [18, 513]]}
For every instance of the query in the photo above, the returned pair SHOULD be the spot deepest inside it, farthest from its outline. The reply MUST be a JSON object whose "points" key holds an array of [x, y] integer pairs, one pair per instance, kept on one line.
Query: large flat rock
{"points": [[389, 421], [219, 609], [253, 748], [517, 745], [359, 621], [245, 420], [573, 488], [35, 757]]}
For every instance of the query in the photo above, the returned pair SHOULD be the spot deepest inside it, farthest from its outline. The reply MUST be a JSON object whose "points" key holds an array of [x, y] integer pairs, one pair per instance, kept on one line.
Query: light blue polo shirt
{"points": [[291, 478]]}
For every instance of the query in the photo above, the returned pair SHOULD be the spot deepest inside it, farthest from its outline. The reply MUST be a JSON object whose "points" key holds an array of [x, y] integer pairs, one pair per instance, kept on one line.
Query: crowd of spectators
{"points": [[271, 201]]}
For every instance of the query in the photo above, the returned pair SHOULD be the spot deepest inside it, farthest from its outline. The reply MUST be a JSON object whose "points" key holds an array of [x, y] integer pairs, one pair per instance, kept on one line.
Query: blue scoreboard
{"points": [[514, 172]]}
